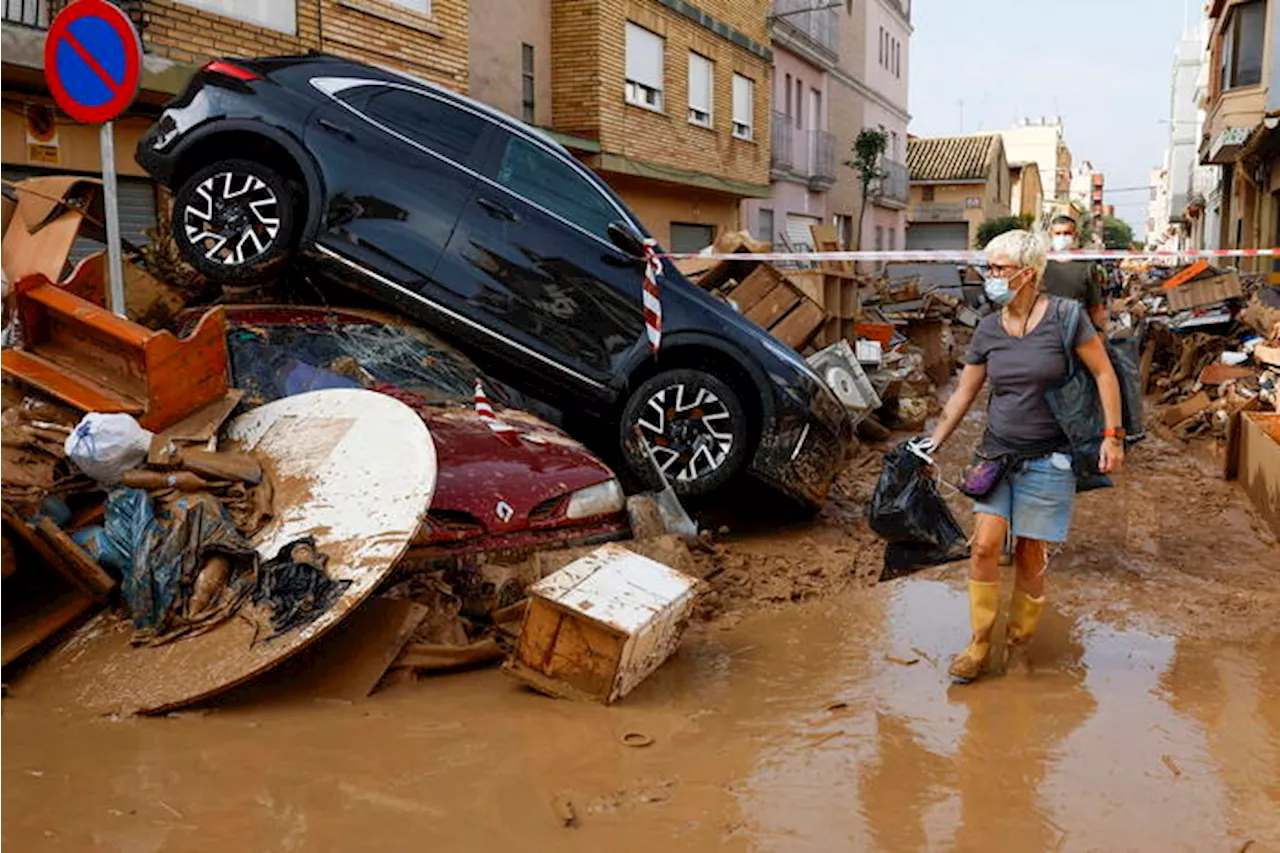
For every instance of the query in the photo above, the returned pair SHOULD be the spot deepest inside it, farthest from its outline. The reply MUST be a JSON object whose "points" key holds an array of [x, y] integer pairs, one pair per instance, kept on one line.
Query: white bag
{"points": [[105, 446]]}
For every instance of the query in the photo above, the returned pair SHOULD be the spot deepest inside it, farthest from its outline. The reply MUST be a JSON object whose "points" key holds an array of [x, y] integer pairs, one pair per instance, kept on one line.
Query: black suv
{"points": [[489, 232]]}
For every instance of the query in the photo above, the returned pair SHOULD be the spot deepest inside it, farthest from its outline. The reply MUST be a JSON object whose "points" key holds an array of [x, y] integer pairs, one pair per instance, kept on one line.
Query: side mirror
{"points": [[626, 239]]}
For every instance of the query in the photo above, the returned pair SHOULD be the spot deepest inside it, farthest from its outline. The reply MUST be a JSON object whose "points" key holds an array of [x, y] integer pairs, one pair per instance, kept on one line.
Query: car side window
{"points": [[537, 176], [449, 131]]}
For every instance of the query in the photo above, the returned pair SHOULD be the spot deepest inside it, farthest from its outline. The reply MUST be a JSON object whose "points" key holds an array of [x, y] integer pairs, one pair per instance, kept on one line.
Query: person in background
{"points": [[1078, 280], [1020, 349]]}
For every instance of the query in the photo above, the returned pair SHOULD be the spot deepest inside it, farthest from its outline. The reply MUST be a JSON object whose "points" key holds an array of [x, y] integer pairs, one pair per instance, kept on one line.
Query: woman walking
{"points": [[1020, 349]]}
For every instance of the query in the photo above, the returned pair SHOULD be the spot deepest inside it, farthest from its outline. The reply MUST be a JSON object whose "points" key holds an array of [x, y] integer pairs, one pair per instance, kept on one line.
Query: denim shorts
{"points": [[1036, 498]]}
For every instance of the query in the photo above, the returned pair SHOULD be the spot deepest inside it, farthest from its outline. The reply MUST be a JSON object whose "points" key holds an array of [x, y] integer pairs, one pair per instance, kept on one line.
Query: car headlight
{"points": [[600, 499]]}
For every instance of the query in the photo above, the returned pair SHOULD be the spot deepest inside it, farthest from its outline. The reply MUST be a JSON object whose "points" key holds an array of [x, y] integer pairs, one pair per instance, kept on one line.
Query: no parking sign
{"points": [[93, 65], [93, 61]]}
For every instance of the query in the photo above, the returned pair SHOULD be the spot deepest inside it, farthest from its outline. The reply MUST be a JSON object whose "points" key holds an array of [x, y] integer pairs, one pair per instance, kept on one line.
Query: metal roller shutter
{"points": [[137, 208], [938, 235], [799, 237]]}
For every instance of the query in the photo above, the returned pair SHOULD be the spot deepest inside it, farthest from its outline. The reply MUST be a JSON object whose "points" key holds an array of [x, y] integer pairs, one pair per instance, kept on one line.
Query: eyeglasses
{"points": [[1002, 271]]}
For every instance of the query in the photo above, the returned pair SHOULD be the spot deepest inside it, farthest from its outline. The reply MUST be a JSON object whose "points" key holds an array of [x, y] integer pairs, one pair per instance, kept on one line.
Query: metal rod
{"points": [[773, 16], [110, 203]]}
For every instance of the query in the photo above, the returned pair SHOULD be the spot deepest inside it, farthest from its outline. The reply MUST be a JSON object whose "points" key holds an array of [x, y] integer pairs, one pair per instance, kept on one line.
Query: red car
{"points": [[513, 490]]}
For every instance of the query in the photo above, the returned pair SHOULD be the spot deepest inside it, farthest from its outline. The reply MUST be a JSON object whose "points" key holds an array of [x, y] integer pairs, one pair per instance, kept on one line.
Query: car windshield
{"points": [[274, 361]]}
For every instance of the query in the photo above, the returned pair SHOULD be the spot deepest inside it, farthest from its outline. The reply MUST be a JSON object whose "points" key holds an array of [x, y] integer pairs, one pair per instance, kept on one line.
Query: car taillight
{"points": [[227, 69]]}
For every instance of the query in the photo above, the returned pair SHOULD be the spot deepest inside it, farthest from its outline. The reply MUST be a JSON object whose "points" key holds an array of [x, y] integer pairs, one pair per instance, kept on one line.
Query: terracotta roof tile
{"points": [[951, 158]]}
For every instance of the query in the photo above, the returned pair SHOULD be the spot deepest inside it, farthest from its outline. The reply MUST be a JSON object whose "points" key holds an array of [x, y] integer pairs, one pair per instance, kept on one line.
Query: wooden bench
{"points": [[96, 361]]}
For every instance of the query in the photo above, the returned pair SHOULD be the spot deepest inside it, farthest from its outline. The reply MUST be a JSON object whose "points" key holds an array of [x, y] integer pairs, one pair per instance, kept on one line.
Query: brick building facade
{"points": [[683, 179], [432, 45]]}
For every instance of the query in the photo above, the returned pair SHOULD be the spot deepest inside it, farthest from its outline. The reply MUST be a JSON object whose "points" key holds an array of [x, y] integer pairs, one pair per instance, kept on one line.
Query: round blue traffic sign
{"points": [[93, 61]]}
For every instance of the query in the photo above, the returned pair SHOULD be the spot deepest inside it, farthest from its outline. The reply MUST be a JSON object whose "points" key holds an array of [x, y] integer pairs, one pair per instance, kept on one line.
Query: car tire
{"points": [[234, 221], [696, 426]]}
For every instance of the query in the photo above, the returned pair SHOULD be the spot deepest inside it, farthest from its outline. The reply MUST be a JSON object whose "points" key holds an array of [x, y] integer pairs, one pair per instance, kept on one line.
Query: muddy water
{"points": [[824, 726]]}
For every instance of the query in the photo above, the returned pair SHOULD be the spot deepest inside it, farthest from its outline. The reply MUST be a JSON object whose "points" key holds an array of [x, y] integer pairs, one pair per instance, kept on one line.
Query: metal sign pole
{"points": [[115, 267]]}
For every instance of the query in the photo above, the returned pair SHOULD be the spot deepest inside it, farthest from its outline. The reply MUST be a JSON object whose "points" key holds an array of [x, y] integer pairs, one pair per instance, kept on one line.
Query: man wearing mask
{"points": [[1078, 280]]}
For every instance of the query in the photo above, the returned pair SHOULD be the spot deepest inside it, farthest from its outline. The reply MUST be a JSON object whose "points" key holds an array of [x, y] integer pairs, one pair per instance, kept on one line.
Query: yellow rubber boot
{"points": [[984, 604], [1024, 616]]}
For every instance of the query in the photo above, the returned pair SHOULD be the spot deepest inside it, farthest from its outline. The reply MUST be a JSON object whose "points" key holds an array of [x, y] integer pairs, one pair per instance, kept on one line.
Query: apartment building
{"points": [[802, 162], [1242, 107], [669, 103], [957, 183], [1042, 141]]}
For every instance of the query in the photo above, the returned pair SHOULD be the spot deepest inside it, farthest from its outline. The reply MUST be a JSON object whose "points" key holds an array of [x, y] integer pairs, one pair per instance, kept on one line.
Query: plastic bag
{"points": [[1126, 358], [104, 446], [908, 512], [1077, 408]]}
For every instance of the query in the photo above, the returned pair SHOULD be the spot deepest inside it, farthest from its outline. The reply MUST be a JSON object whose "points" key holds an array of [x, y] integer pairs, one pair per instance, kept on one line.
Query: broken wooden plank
{"points": [[225, 465], [202, 425], [74, 564], [1178, 413], [1220, 374]]}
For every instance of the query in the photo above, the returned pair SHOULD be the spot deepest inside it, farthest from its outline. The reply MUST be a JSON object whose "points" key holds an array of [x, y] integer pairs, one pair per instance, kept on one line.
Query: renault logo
{"points": [[504, 511]]}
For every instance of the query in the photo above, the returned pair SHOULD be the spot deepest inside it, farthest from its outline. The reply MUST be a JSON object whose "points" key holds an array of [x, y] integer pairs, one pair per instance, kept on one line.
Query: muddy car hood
{"points": [[528, 467]]}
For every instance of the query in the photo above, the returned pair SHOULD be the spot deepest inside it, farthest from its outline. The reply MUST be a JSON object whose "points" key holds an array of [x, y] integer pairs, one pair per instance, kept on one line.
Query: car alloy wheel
{"points": [[232, 219], [690, 430]]}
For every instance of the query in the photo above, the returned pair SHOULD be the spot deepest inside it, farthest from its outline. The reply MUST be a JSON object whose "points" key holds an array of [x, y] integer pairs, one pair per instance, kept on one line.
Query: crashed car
{"points": [[490, 233], [520, 487]]}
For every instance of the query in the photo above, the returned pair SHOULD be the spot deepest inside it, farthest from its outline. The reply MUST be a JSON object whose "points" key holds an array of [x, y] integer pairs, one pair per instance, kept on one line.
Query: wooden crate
{"points": [[601, 625], [770, 299]]}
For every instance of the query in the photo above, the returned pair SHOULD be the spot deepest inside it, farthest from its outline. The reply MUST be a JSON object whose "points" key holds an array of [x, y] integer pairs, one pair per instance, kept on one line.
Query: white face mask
{"points": [[1063, 242]]}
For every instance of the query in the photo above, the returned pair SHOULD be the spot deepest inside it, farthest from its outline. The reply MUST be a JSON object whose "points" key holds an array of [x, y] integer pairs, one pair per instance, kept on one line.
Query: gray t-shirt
{"points": [[1078, 280], [1020, 370]]}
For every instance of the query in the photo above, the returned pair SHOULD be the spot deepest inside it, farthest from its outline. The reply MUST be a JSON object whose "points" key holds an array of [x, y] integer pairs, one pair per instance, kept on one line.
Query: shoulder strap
{"points": [[1069, 312]]}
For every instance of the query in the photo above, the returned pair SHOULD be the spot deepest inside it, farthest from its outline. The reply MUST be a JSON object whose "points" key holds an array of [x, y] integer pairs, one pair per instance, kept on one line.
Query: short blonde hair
{"points": [[1022, 248]]}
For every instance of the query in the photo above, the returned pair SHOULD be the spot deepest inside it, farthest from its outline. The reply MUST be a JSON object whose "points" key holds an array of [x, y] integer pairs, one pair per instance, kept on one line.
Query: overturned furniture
{"points": [[601, 625], [93, 360]]}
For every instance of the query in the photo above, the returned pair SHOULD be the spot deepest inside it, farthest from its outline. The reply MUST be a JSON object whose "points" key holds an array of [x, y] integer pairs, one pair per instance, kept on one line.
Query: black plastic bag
{"points": [[908, 512], [1077, 407], [1126, 359]]}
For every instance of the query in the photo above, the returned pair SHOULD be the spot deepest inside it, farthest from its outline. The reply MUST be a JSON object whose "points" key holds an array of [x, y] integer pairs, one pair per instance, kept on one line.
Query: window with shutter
{"points": [[644, 68], [701, 73], [743, 106]]}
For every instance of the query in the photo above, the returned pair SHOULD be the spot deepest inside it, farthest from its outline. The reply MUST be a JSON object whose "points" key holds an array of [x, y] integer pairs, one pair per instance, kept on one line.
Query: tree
{"points": [[1116, 233], [868, 147], [993, 228]]}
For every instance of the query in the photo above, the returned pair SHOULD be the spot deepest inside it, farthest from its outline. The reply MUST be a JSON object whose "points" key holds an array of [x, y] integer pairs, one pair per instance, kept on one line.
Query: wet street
{"points": [[1149, 720]]}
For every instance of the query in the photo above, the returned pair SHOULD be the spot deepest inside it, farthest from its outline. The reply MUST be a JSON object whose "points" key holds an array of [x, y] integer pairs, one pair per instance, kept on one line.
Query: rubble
{"points": [[903, 332]]}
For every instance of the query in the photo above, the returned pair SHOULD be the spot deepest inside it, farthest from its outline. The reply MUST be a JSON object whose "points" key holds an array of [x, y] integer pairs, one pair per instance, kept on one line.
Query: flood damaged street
{"points": [[807, 709]]}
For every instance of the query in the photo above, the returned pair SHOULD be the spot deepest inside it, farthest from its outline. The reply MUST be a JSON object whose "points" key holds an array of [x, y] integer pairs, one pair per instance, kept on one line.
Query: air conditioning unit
{"points": [[839, 368]]}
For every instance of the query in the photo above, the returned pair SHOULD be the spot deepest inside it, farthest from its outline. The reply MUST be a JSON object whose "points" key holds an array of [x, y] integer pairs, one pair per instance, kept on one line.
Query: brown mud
{"points": [[809, 712]]}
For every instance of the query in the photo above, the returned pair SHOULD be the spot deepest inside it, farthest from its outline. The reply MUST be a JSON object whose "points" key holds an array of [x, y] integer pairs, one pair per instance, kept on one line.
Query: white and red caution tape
{"points": [[485, 411], [966, 256], [652, 298]]}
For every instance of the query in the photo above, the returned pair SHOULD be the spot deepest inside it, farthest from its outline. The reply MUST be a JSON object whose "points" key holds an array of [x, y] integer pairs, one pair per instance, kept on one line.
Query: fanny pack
{"points": [[980, 477]]}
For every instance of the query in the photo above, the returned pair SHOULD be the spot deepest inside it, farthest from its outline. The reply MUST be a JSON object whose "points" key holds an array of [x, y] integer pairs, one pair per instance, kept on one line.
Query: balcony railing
{"points": [[819, 27], [782, 157], [805, 155], [27, 13], [822, 160], [893, 185]]}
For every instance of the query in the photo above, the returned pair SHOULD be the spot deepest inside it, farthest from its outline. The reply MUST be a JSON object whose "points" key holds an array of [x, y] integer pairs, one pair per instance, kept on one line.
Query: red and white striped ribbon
{"points": [[652, 299], [972, 256], [485, 411]]}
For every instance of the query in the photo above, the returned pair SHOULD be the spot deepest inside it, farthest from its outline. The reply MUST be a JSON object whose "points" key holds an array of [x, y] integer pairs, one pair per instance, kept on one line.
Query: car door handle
{"points": [[338, 129], [497, 210]]}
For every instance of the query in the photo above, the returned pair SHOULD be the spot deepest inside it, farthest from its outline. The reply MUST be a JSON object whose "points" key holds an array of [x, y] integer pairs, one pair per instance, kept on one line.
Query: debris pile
{"points": [[884, 344], [1211, 349]]}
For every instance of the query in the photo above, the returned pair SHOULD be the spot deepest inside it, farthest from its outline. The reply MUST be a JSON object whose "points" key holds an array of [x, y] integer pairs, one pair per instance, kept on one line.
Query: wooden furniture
{"points": [[93, 360], [770, 300], [598, 627]]}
